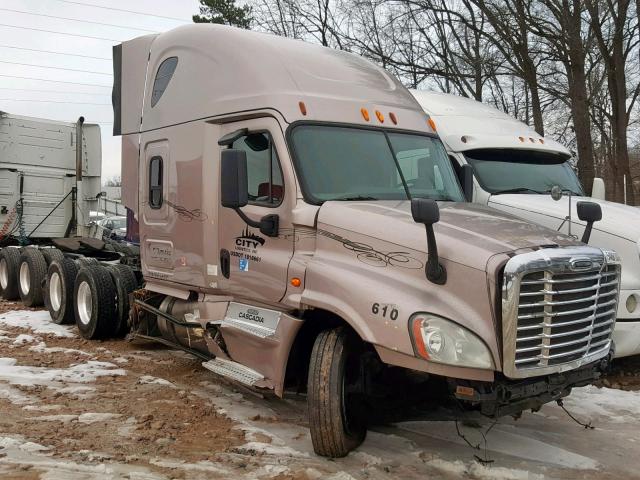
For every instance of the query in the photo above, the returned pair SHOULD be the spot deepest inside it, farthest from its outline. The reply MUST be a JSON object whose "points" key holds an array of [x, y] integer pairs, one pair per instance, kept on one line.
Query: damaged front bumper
{"points": [[511, 397]]}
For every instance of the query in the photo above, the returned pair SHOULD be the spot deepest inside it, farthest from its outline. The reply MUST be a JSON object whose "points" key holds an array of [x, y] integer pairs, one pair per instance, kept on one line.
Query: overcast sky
{"points": [[74, 100]]}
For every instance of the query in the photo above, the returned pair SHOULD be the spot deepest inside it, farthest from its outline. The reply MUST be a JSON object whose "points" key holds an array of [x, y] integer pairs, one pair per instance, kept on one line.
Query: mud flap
{"points": [[260, 340]]}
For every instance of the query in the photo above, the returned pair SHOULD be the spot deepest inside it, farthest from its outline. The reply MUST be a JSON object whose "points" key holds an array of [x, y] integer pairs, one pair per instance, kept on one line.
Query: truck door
{"points": [[256, 264]]}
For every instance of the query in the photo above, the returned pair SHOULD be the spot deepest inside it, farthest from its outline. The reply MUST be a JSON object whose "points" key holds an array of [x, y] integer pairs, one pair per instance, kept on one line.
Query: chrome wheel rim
{"points": [[55, 291], [25, 278], [4, 274], [85, 305]]}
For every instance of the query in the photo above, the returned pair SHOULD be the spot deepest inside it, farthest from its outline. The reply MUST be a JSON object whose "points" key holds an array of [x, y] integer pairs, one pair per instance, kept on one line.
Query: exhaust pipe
{"points": [[78, 197]]}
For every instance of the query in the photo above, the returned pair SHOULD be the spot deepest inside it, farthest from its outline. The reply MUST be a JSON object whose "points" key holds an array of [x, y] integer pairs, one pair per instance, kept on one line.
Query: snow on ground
{"points": [[16, 451], [276, 439], [617, 406], [36, 321]]}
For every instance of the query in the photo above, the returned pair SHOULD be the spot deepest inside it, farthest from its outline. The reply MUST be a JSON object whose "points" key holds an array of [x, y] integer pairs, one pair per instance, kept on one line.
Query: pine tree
{"points": [[224, 12]]}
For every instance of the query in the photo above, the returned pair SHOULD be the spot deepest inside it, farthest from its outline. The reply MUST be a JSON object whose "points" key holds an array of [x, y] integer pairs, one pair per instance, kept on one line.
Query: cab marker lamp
{"points": [[303, 108], [380, 116], [443, 341], [432, 123], [393, 118], [365, 113]]}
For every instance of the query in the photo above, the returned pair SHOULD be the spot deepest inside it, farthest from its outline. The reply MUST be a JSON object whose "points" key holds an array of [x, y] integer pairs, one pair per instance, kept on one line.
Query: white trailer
{"points": [[49, 182]]}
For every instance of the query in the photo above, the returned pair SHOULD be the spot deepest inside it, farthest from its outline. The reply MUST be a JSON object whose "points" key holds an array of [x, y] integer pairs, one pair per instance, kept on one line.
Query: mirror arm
{"points": [[268, 225], [587, 233], [434, 270]]}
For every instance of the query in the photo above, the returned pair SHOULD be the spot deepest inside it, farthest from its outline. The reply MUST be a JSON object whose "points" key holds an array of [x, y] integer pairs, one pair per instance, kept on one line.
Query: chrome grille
{"points": [[556, 316]]}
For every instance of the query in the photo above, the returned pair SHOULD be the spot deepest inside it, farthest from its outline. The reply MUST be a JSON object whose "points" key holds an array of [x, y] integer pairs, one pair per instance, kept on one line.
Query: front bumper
{"points": [[510, 397], [626, 334]]}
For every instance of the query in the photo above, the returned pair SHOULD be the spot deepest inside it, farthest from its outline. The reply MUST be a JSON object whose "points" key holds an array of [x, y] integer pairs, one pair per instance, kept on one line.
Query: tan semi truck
{"points": [[301, 227]]}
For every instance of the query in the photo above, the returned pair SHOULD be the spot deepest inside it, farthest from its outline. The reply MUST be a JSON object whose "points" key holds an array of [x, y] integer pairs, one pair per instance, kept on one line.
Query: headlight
{"points": [[611, 256], [443, 341]]}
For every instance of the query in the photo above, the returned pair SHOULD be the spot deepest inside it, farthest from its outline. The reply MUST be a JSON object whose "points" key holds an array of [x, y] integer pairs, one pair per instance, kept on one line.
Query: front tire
{"points": [[335, 405]]}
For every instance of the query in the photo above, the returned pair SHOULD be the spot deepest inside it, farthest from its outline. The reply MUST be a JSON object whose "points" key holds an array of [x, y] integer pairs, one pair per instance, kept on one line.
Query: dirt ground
{"points": [[76, 409]]}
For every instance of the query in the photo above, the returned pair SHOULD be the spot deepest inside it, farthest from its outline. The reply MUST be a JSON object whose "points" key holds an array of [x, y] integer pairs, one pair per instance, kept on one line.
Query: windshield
{"points": [[350, 163], [522, 171], [119, 222]]}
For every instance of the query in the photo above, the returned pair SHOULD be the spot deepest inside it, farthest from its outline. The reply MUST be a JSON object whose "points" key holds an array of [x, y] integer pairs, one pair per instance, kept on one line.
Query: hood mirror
{"points": [[557, 193], [589, 212], [426, 211]]}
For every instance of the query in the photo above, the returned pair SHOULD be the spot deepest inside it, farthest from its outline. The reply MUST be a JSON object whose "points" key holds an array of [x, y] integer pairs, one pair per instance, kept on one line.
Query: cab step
{"points": [[233, 370]]}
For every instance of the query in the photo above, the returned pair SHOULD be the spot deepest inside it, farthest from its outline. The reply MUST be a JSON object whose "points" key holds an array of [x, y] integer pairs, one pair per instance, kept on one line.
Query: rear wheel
{"points": [[59, 290], [95, 302], [125, 283], [31, 275], [334, 400], [87, 261], [9, 265], [51, 254]]}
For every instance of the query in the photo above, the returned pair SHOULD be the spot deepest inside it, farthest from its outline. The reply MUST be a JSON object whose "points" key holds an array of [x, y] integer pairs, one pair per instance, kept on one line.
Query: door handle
{"points": [[225, 263]]}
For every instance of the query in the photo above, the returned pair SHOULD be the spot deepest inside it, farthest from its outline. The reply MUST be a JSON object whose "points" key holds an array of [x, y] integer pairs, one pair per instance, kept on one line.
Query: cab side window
{"points": [[155, 182], [266, 186]]}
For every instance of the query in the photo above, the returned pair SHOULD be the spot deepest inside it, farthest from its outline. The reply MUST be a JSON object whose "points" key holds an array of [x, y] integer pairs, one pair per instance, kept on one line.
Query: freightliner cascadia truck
{"points": [[515, 170], [301, 228]]}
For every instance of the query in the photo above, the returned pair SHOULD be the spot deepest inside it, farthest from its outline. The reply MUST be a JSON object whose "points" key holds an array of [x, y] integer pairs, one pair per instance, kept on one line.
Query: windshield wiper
{"points": [[355, 198], [518, 190]]}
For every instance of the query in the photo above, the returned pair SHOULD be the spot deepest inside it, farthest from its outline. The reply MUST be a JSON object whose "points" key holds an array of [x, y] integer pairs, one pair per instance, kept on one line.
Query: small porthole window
{"points": [[155, 182], [163, 77]]}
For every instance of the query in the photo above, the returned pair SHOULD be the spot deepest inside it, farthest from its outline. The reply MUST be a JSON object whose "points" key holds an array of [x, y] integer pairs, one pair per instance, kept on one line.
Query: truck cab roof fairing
{"points": [[481, 125], [222, 70]]}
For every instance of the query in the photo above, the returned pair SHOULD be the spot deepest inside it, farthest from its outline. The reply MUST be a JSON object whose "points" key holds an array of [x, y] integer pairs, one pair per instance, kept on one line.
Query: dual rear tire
{"points": [[31, 275], [101, 300], [9, 266]]}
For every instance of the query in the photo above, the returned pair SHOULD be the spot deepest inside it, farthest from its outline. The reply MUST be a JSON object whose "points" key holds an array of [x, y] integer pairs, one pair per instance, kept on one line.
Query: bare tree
{"points": [[617, 37]]}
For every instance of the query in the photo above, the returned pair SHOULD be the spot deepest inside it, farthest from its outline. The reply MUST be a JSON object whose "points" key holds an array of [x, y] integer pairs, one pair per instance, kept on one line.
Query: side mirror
{"points": [[466, 180], [233, 179], [234, 190], [589, 212], [426, 211], [598, 189]]}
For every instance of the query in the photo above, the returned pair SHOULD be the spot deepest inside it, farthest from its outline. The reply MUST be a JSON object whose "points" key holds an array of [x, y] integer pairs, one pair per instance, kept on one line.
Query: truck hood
{"points": [[617, 219], [467, 234]]}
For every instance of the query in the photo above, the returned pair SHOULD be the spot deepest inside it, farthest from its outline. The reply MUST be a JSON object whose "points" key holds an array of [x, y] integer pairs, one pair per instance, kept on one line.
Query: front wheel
{"points": [[335, 402]]}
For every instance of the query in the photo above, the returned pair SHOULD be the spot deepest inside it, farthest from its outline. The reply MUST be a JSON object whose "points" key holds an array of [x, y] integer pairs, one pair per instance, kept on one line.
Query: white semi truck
{"points": [[49, 188], [49, 182], [515, 169]]}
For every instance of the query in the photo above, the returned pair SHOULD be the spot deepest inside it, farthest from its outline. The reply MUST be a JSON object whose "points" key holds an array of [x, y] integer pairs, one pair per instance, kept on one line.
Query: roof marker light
{"points": [[431, 123], [533, 140], [541, 140], [365, 113], [303, 108], [521, 139], [393, 118], [380, 116]]}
